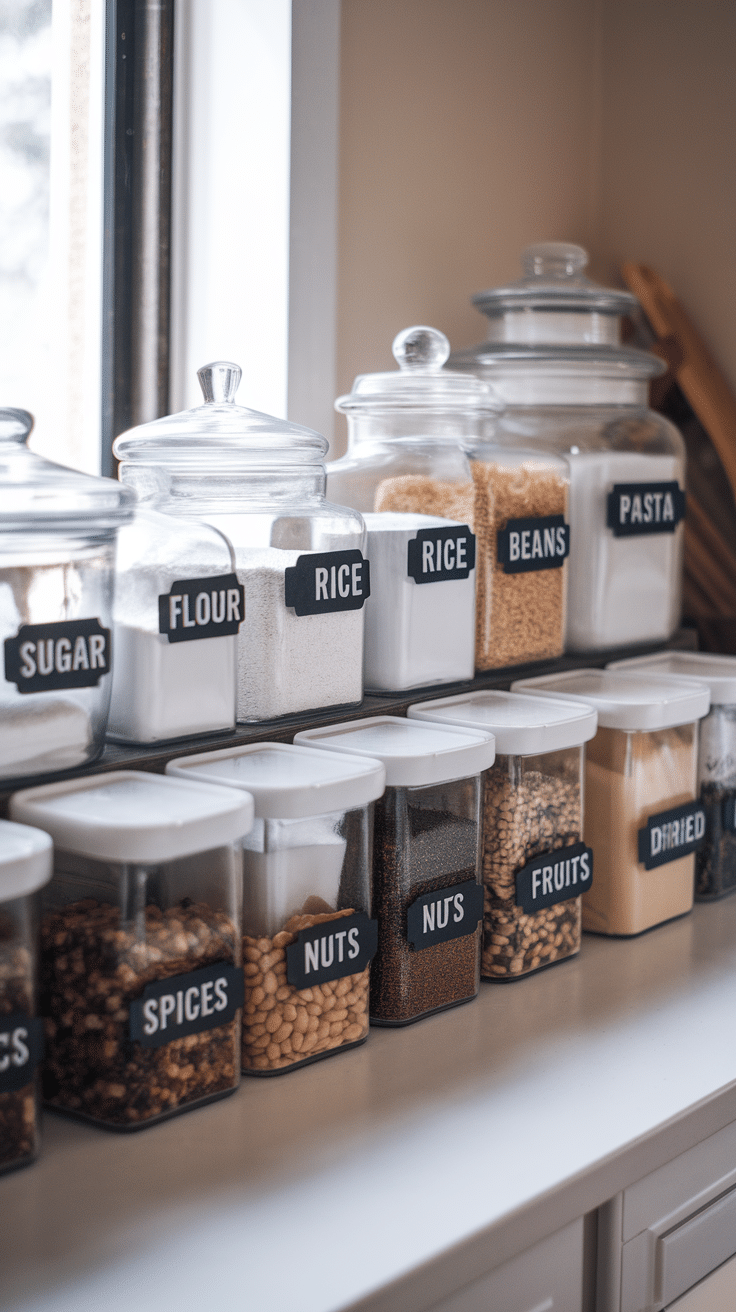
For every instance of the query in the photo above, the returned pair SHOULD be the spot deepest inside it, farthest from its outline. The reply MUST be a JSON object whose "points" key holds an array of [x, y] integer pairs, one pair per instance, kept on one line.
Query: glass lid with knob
{"points": [[421, 382]]}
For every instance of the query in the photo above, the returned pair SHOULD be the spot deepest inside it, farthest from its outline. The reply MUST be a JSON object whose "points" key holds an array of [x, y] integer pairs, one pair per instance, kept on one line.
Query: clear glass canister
{"points": [[57, 561], [25, 866], [141, 965], [308, 937], [261, 482], [642, 817], [535, 864], [427, 894], [553, 355]]}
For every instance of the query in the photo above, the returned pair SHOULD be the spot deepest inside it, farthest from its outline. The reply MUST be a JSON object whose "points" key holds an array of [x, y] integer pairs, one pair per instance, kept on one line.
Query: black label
{"points": [[21, 1049], [540, 542], [729, 814], [447, 913], [672, 834], [335, 948], [49, 657], [437, 555], [636, 509], [327, 581], [202, 608], [186, 1004], [554, 877]]}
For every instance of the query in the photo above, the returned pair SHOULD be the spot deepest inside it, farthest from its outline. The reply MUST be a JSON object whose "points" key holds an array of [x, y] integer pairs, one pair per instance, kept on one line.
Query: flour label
{"points": [[202, 608], [51, 657], [437, 555], [639, 509], [21, 1050], [554, 877], [186, 1004], [331, 950], [539, 542], [323, 582], [672, 834], [445, 914]]}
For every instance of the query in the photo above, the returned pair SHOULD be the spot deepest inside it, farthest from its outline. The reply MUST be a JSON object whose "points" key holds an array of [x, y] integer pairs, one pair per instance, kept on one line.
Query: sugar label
{"points": [[21, 1050], [437, 555], [186, 1004], [331, 950], [52, 657], [639, 509], [672, 834], [554, 877], [445, 914], [323, 582], [193, 609], [538, 542]]}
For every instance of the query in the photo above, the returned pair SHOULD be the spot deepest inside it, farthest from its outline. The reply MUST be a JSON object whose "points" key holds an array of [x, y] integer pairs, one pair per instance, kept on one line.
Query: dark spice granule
{"points": [[19, 1107], [715, 863]]}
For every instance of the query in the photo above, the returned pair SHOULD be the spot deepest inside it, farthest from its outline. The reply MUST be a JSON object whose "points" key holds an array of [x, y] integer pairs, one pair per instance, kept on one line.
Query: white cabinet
{"points": [[545, 1278]]}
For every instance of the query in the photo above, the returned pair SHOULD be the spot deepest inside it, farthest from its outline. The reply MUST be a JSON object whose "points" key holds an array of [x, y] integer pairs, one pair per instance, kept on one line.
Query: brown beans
{"points": [[18, 1107]]}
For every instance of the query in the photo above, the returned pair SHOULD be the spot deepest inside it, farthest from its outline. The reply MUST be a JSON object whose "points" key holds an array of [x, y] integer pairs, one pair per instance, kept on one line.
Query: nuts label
{"points": [[554, 877], [538, 542], [323, 582], [672, 834], [21, 1050], [331, 950], [202, 608], [437, 555], [186, 1004], [51, 657], [637, 509], [444, 914]]}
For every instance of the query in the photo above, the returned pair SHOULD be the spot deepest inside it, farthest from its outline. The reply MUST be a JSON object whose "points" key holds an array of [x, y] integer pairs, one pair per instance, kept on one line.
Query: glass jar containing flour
{"points": [[554, 356], [57, 558], [300, 559]]}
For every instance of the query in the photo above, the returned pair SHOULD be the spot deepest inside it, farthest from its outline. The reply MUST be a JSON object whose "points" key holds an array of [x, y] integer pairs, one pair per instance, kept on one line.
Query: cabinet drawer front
{"points": [[546, 1278], [717, 1293], [689, 1252]]}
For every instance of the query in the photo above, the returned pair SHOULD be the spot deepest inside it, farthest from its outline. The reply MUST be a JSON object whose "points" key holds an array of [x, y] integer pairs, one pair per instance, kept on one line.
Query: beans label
{"points": [[437, 555], [554, 877], [327, 581], [331, 950], [636, 509], [538, 542], [444, 914], [186, 1004], [21, 1050], [202, 608], [672, 834], [51, 657]]}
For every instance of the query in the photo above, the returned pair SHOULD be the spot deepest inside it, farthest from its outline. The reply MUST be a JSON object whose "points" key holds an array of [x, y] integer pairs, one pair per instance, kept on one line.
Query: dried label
{"points": [[444, 914], [186, 1004], [554, 877], [437, 555], [327, 581], [538, 542], [52, 657], [21, 1050], [331, 950], [636, 509], [202, 608], [672, 834]]}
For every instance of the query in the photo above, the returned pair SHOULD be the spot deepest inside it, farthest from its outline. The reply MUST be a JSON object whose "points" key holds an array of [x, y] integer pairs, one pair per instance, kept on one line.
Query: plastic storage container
{"points": [[553, 354], [715, 862], [420, 618], [25, 866], [261, 481], [308, 937], [427, 895], [57, 559], [642, 818], [141, 975], [535, 863]]}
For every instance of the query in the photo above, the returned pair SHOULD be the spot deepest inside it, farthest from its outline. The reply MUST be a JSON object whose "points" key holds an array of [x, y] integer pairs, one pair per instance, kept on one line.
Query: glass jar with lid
{"points": [[57, 561], [553, 354], [261, 482]]}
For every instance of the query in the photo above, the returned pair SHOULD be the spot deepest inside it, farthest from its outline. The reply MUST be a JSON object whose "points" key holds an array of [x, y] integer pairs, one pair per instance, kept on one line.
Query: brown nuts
{"points": [[18, 1107]]}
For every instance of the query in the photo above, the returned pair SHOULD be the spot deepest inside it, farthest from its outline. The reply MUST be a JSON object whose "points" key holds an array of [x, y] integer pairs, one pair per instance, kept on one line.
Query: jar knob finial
{"points": [[554, 260], [421, 348], [219, 381], [15, 425]]}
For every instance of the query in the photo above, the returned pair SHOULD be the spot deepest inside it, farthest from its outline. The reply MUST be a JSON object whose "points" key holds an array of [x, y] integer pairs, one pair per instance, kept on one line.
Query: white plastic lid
{"points": [[395, 521], [414, 754], [521, 725], [288, 783], [26, 860], [719, 672], [626, 701], [130, 815]]}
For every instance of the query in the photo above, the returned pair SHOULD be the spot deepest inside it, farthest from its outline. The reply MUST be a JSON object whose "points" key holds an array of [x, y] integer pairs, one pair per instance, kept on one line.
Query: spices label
{"points": [[554, 877], [51, 657], [21, 1050], [444, 914], [437, 555], [193, 609], [672, 834], [538, 542], [331, 950], [327, 581], [636, 509], [200, 1000]]}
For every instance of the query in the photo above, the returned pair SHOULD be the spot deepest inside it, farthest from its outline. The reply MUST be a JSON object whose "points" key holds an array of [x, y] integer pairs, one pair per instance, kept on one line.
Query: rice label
{"points": [[52, 657], [327, 581], [21, 1050], [672, 834], [637, 509], [538, 542], [331, 950], [447, 913], [202, 608], [437, 555], [554, 877], [200, 1000]]}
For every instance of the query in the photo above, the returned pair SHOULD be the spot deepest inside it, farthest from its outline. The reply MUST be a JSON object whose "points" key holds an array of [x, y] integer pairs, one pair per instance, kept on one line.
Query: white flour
{"points": [[165, 689]]}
